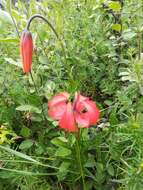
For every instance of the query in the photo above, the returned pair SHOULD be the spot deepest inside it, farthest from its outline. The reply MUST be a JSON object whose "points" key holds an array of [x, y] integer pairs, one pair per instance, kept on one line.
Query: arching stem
{"points": [[50, 25], [57, 36], [43, 18]]}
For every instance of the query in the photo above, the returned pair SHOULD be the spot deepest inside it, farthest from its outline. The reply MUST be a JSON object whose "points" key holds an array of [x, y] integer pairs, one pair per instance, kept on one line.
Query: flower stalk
{"points": [[26, 48], [50, 25], [79, 160]]}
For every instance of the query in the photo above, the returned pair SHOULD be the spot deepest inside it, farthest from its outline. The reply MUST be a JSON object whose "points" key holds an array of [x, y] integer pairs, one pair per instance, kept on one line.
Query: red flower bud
{"points": [[26, 50]]}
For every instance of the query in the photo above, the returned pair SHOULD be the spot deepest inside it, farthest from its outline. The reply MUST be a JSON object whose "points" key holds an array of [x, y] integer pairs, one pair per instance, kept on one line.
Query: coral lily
{"points": [[26, 50], [81, 113]]}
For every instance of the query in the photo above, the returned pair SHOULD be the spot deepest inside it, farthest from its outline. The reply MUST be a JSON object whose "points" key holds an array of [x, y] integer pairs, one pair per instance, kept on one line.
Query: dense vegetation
{"points": [[100, 54]]}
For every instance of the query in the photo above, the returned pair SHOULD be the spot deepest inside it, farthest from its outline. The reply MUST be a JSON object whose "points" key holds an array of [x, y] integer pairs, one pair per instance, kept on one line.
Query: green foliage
{"points": [[103, 60]]}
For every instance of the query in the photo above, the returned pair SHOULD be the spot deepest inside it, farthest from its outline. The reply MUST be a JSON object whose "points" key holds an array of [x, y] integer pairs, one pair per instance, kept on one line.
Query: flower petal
{"points": [[26, 50], [78, 99], [92, 111], [86, 113], [67, 122], [59, 98], [57, 111], [82, 120]]}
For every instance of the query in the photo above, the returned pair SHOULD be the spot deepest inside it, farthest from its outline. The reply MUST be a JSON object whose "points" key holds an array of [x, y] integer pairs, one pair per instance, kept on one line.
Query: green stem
{"points": [[79, 162], [140, 34], [139, 45], [50, 25], [36, 89], [43, 18]]}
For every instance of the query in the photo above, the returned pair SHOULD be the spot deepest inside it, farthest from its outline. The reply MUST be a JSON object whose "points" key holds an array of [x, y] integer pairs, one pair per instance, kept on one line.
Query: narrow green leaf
{"points": [[22, 172], [8, 40], [19, 154]]}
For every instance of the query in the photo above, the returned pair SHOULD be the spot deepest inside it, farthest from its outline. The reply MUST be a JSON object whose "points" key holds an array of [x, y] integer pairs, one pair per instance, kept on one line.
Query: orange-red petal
{"points": [[59, 98], [86, 113], [67, 122], [57, 111], [26, 50]]}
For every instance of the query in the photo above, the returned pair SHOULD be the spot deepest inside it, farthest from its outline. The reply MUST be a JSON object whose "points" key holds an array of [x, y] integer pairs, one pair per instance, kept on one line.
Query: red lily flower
{"points": [[67, 121], [86, 113], [81, 113], [26, 50], [58, 105]]}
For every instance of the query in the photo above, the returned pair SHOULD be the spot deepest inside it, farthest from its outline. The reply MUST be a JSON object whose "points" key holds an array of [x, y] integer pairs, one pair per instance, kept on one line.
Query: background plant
{"points": [[103, 41]]}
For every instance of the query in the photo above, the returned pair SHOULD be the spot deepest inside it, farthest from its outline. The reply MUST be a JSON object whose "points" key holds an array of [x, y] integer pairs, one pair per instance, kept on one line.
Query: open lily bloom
{"points": [[67, 121], [86, 113], [81, 113], [57, 106]]}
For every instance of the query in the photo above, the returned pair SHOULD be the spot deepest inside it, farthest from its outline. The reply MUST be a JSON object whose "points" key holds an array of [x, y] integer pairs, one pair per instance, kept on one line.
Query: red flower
{"points": [[58, 105], [67, 121], [26, 50], [81, 113], [86, 113]]}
